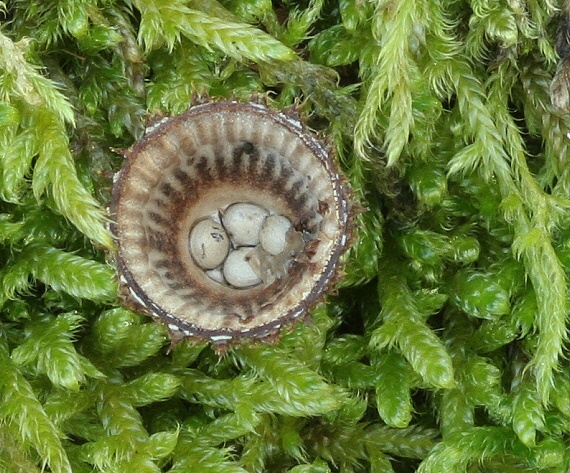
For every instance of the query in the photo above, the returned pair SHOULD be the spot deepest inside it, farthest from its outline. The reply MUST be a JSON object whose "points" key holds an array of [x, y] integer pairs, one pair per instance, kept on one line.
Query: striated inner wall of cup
{"points": [[193, 166]]}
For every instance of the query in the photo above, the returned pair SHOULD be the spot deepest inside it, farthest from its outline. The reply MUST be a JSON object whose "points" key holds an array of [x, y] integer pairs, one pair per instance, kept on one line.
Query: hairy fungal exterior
{"points": [[182, 199]]}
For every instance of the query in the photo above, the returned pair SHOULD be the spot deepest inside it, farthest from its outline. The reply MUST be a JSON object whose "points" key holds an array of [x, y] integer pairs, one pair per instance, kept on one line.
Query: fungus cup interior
{"points": [[194, 166]]}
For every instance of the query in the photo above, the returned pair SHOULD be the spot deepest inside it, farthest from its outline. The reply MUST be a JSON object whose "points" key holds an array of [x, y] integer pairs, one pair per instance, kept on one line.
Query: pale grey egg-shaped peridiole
{"points": [[237, 270], [243, 223], [273, 234], [209, 244]]}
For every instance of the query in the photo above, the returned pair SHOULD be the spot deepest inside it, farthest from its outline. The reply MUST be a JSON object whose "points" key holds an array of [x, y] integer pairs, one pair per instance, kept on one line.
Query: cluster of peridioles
{"points": [[244, 245]]}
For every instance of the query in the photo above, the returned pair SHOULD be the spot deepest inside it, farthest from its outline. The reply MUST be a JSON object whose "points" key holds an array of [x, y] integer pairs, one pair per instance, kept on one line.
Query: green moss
{"points": [[445, 346]]}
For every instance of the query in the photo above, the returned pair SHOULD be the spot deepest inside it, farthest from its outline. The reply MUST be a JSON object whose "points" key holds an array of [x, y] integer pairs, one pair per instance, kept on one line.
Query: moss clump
{"points": [[444, 349]]}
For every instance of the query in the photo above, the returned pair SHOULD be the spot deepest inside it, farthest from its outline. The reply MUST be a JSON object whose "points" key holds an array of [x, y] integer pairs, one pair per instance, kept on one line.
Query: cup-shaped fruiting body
{"points": [[229, 221]]}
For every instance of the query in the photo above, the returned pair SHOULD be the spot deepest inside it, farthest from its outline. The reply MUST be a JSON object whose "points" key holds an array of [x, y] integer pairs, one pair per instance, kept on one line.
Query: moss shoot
{"points": [[444, 348]]}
